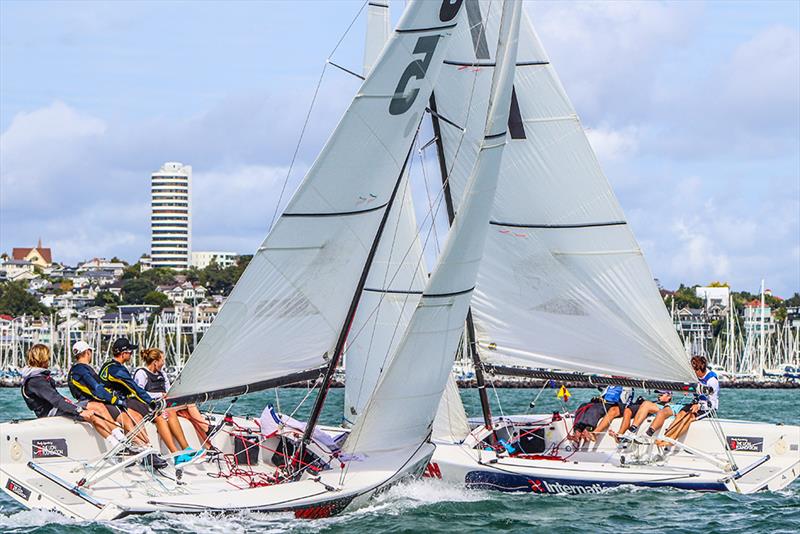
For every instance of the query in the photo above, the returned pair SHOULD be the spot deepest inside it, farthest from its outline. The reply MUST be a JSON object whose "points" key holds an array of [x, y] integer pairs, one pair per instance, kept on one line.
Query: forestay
{"points": [[288, 309], [396, 277], [400, 412], [563, 283]]}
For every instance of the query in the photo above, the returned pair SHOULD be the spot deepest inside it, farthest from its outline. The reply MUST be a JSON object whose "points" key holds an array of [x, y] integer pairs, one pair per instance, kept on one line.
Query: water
{"points": [[434, 506]]}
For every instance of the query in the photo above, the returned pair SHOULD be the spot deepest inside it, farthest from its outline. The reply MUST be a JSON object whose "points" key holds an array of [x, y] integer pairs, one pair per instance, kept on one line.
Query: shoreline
{"points": [[535, 384]]}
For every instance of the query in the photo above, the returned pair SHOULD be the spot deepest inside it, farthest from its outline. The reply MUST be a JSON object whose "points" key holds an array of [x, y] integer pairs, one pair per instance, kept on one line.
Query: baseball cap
{"points": [[123, 344], [79, 347]]}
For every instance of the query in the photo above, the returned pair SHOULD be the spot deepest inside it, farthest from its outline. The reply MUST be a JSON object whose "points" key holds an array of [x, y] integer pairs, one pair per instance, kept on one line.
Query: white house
{"points": [[712, 296]]}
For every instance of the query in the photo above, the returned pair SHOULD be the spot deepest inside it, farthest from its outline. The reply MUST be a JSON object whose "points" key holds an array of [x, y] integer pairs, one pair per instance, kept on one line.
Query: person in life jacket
{"points": [[663, 408], [85, 386], [41, 396], [152, 378], [589, 414], [705, 403], [116, 377], [617, 399]]}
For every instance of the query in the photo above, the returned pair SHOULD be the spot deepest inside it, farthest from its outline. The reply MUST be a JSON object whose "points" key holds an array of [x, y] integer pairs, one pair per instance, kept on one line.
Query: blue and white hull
{"points": [[760, 456]]}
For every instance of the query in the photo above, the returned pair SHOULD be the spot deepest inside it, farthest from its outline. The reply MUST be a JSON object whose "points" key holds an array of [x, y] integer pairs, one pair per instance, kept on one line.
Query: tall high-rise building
{"points": [[171, 216]]}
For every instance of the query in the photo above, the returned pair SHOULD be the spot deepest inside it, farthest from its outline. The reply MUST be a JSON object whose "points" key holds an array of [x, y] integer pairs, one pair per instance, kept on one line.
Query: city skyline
{"points": [[703, 156]]}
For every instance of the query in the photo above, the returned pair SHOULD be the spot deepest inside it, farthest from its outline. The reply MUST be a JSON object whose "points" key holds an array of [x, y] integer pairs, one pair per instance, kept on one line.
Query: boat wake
{"points": [[27, 520]]}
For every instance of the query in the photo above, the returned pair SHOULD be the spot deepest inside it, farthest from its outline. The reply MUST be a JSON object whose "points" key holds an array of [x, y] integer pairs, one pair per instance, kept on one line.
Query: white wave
{"points": [[27, 519]]}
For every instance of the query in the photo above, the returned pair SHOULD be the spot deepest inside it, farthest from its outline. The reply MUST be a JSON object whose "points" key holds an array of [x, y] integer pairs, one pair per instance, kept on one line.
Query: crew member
{"points": [[41, 396], [85, 386]]}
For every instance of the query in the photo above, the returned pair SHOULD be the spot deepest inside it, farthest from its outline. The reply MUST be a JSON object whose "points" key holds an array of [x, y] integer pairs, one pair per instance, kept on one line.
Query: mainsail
{"points": [[563, 283], [396, 277], [400, 412], [291, 305]]}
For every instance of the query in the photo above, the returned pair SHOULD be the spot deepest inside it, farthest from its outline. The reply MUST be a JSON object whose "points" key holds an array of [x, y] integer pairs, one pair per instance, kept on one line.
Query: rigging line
{"points": [[430, 202], [308, 114], [377, 309], [432, 214], [353, 307], [348, 71]]}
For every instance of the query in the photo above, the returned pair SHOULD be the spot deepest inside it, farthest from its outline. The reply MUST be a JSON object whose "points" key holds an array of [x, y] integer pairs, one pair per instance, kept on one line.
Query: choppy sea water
{"points": [[434, 506]]}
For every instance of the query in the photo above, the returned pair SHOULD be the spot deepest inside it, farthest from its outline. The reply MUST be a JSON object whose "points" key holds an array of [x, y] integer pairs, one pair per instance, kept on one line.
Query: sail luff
{"points": [[401, 410], [340, 342], [564, 283], [287, 310]]}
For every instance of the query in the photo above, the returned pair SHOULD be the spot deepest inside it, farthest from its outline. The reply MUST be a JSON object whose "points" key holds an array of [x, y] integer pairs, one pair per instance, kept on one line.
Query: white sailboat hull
{"points": [[51, 482], [767, 459]]}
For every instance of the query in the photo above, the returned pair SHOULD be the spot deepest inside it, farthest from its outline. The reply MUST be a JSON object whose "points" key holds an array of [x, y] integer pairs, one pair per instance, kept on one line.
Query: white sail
{"points": [[450, 424], [564, 283], [396, 278], [289, 307], [400, 412], [390, 296], [377, 31]]}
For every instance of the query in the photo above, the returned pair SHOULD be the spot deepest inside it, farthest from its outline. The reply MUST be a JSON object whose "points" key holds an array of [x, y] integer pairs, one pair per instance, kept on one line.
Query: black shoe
{"points": [[154, 461]]}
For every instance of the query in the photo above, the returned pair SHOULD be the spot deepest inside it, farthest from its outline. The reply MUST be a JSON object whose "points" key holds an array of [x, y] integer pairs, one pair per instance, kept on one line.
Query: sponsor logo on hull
{"points": [[49, 448], [745, 444], [18, 489], [564, 486], [432, 471]]}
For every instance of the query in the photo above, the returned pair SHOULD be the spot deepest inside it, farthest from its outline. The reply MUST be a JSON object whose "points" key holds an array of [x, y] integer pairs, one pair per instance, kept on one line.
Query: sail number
{"points": [[426, 45]]}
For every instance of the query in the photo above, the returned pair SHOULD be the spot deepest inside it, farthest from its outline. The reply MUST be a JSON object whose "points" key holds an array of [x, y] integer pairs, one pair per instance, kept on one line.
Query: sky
{"points": [[693, 109]]}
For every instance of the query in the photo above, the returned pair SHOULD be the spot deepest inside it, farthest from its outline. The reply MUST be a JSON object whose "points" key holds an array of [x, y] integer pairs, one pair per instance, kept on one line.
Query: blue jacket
{"points": [[85, 384], [117, 377]]}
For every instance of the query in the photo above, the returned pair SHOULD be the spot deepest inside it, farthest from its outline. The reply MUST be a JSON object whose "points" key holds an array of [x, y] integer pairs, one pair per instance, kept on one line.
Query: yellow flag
{"points": [[563, 394]]}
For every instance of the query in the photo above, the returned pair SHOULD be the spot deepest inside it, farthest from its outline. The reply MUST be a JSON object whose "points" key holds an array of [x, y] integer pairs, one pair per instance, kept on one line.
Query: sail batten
{"points": [[401, 412], [563, 283], [291, 303]]}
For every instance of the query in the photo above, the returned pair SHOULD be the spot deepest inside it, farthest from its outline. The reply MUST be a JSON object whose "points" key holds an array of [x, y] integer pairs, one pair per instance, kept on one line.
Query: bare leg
{"points": [[645, 409], [198, 422], [679, 427], [662, 415], [605, 422], [175, 428], [165, 433], [131, 418], [94, 415], [626, 421]]}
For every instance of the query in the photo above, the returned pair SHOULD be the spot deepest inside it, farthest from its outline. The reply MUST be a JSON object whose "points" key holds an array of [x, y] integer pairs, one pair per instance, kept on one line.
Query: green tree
{"points": [[793, 301], [107, 299], [159, 276], [16, 301], [158, 298], [686, 297], [135, 289]]}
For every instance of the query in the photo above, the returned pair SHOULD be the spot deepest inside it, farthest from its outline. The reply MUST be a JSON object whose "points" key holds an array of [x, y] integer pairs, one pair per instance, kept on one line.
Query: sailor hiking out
{"points": [[40, 395], [85, 385]]}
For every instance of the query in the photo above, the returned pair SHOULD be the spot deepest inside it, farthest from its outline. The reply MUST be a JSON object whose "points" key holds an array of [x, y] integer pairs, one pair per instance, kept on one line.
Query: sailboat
{"points": [[288, 318], [564, 293]]}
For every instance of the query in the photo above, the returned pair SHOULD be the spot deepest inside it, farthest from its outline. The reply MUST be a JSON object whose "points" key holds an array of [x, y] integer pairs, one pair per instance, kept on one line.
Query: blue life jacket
{"points": [[613, 394]]}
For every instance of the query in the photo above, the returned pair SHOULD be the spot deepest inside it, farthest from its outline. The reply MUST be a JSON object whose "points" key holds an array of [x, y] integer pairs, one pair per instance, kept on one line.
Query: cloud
{"points": [[82, 183], [608, 54], [610, 144]]}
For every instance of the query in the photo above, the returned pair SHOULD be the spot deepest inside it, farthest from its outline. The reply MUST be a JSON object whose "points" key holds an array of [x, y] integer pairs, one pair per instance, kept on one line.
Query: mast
{"points": [[761, 335], [480, 379], [351, 313]]}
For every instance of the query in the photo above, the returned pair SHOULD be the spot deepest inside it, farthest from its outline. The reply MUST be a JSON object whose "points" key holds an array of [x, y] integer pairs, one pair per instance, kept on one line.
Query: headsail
{"points": [[563, 283], [289, 308], [396, 278], [401, 410]]}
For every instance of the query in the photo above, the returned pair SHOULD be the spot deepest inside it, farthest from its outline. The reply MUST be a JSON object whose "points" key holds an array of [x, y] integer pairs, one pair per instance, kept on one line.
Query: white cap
{"points": [[79, 347]]}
